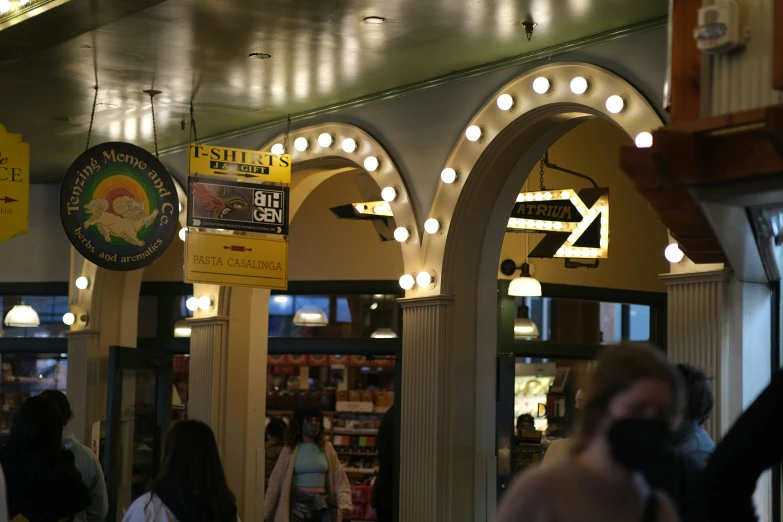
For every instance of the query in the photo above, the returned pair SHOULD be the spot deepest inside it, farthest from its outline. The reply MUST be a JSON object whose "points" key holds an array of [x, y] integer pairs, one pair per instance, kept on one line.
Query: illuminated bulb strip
{"points": [[545, 226], [545, 195], [601, 212]]}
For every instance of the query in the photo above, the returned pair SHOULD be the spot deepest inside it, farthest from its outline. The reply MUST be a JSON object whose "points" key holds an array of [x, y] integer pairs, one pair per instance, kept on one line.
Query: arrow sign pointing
{"points": [[6, 199]]}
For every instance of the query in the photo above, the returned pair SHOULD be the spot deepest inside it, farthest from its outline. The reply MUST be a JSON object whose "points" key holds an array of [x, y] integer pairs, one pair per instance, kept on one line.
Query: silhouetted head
{"points": [[193, 474], [37, 427], [276, 429], [699, 399], [61, 401]]}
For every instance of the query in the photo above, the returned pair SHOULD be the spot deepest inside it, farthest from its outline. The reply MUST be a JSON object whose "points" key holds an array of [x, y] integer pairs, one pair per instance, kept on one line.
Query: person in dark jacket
{"points": [[750, 447], [691, 440], [42, 482], [678, 470], [383, 492]]}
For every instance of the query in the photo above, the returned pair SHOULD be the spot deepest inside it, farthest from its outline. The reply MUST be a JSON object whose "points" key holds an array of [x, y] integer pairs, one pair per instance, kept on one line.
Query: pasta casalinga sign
{"points": [[119, 206]]}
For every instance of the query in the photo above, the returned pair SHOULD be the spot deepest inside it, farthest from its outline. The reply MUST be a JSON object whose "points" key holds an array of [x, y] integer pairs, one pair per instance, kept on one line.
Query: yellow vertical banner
{"points": [[14, 185]]}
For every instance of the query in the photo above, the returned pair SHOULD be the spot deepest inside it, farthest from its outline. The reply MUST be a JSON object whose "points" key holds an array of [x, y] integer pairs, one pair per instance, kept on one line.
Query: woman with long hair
{"points": [[42, 482], [308, 483], [631, 403], [191, 486]]}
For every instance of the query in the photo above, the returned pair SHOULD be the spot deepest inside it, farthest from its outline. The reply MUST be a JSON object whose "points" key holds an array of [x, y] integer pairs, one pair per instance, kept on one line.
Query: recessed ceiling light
{"points": [[374, 20], [260, 56]]}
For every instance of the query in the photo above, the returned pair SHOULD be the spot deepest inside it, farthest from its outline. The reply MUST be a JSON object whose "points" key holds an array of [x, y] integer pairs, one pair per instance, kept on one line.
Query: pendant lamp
{"points": [[22, 316], [383, 333], [525, 285], [311, 316], [181, 329], [524, 327]]}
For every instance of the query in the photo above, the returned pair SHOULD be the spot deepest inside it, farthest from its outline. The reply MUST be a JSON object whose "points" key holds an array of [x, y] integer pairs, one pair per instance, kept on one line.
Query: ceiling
{"points": [[322, 53]]}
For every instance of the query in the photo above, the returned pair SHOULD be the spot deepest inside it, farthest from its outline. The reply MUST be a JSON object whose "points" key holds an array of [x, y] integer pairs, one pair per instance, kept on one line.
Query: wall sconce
{"points": [[523, 286]]}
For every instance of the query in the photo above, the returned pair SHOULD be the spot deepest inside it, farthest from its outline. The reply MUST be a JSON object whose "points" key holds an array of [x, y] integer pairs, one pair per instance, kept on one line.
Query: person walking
{"points": [[383, 491], [308, 483], [630, 405], [275, 435], [42, 482], [191, 486], [690, 439], [85, 461]]}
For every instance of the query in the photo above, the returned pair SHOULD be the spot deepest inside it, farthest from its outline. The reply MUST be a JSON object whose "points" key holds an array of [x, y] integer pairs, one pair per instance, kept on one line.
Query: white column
{"points": [[227, 390], [723, 326], [86, 385], [427, 445]]}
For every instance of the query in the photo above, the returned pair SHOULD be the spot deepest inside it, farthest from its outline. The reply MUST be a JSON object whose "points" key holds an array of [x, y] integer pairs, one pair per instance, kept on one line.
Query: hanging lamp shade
{"points": [[525, 285], [524, 327], [311, 316], [383, 333], [22, 316]]}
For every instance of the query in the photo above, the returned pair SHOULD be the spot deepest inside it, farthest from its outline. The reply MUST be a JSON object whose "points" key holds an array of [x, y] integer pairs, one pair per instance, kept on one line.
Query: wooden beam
{"points": [[685, 83], [777, 46]]}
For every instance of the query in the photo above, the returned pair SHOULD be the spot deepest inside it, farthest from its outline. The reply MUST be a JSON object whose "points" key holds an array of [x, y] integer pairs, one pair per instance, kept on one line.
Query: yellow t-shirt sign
{"points": [[14, 185]]}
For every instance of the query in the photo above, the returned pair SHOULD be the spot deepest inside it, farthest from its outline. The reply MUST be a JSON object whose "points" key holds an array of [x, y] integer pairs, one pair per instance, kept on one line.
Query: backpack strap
{"points": [[651, 508]]}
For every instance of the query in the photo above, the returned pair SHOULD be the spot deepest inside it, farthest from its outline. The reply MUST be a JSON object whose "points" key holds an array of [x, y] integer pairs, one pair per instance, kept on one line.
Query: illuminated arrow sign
{"points": [[576, 223]]}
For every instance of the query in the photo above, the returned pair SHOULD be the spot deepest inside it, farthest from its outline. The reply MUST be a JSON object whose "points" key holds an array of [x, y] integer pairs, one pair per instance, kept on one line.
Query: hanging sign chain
{"points": [[287, 130], [92, 117], [154, 127], [541, 178], [193, 135]]}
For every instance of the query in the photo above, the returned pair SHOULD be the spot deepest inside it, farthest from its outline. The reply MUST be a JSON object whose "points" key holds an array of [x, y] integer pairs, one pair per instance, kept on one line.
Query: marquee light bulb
{"points": [[278, 148], [541, 85], [644, 140], [82, 283], [402, 234], [183, 232], [424, 279], [205, 302], [69, 318], [505, 102], [5, 6], [448, 176], [431, 226], [673, 253], [579, 85], [388, 194], [180, 207], [325, 140], [615, 104], [473, 133], [301, 144], [371, 163], [565, 194], [360, 208], [407, 282], [192, 304], [350, 145]]}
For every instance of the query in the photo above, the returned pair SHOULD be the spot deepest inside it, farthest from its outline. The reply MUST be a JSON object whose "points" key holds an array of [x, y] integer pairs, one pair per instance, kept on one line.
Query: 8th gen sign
{"points": [[238, 205]]}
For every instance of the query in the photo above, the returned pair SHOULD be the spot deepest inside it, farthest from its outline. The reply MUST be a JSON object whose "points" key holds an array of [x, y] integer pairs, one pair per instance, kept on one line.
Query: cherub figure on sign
{"points": [[130, 216]]}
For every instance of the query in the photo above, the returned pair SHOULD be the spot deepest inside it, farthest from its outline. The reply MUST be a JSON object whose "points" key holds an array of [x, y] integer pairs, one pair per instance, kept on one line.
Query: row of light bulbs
{"points": [[326, 140], [422, 280], [615, 104], [82, 283], [194, 303]]}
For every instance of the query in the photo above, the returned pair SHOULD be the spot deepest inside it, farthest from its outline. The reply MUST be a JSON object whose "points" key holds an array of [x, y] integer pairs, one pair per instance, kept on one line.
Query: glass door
{"points": [[137, 420]]}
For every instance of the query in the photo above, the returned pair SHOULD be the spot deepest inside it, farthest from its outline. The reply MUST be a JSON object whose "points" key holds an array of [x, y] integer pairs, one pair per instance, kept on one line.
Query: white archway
{"points": [[491, 165]]}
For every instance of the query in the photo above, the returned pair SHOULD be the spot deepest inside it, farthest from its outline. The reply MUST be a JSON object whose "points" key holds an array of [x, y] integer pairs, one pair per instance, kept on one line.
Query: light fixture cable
{"points": [[92, 117], [154, 126]]}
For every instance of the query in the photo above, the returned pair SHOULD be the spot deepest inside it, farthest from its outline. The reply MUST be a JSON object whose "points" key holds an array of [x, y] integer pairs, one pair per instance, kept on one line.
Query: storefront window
{"points": [[50, 310], [343, 316], [639, 323]]}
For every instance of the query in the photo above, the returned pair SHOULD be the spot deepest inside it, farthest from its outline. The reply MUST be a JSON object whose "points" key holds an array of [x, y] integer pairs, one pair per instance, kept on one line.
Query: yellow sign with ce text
{"points": [[233, 260], [251, 165], [14, 185]]}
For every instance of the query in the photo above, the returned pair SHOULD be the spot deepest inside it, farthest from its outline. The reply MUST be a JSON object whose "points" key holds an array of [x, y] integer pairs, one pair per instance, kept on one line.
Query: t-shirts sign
{"points": [[119, 206]]}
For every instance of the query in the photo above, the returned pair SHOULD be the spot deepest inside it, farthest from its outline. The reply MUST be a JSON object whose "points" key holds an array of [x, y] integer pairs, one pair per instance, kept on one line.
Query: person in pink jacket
{"points": [[308, 483]]}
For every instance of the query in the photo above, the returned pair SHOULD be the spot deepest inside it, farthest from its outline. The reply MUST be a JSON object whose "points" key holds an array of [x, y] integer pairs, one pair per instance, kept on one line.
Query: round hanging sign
{"points": [[119, 206]]}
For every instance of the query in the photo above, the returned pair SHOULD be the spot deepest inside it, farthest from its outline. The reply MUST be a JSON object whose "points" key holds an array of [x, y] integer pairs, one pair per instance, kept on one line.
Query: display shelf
{"points": [[283, 413], [356, 453], [359, 471]]}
